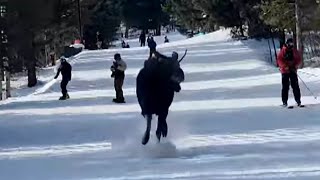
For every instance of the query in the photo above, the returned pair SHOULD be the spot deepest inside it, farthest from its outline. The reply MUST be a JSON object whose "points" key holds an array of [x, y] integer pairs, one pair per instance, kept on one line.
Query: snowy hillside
{"points": [[226, 123], [173, 36]]}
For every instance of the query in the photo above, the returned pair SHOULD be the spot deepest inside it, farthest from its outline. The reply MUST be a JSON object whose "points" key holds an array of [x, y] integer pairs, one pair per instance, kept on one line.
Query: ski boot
{"points": [[64, 97], [118, 100]]}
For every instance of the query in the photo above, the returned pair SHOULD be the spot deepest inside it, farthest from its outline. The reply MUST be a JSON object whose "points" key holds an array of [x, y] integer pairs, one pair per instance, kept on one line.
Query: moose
{"points": [[156, 85]]}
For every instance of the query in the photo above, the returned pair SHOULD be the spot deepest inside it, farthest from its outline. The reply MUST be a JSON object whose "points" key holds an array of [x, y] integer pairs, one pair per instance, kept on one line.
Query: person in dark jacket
{"points": [[152, 46], [118, 68], [166, 40], [123, 44], [142, 39], [65, 68], [289, 60]]}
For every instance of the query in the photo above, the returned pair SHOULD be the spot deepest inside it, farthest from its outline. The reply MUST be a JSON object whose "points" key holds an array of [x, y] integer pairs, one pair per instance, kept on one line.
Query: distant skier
{"points": [[166, 40], [99, 40], [123, 44], [289, 60], [118, 68], [148, 39], [65, 69], [142, 39], [152, 46]]}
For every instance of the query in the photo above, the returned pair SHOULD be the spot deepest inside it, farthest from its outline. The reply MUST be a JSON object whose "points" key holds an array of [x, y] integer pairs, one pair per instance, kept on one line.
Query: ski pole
{"points": [[315, 97]]}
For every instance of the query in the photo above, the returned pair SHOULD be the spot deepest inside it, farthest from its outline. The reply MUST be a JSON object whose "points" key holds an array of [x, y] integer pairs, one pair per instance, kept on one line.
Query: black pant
{"points": [[287, 79], [118, 83], [63, 86], [152, 50], [143, 44]]}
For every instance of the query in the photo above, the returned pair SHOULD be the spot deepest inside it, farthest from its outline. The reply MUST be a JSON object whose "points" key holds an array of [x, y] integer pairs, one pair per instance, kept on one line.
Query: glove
{"points": [[292, 69]]}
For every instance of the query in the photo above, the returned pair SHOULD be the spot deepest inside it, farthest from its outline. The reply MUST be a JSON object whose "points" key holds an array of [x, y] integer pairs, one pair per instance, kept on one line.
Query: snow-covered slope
{"points": [[173, 36], [225, 124]]}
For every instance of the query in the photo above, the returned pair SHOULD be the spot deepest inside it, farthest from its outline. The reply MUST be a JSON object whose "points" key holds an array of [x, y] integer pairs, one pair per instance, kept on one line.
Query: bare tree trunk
{"points": [[270, 51], [1, 78], [28, 52], [274, 46], [298, 30], [8, 86], [126, 34], [241, 31], [158, 30], [32, 77], [282, 38]]}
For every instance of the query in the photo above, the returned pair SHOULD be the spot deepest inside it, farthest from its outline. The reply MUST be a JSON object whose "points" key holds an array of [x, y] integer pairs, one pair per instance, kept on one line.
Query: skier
{"points": [[156, 83], [118, 68], [148, 39], [166, 40], [289, 61], [152, 46], [99, 40], [123, 44], [142, 39], [65, 68]]}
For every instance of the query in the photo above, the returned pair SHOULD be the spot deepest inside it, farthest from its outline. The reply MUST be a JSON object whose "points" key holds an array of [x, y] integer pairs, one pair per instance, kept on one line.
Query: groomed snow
{"points": [[225, 124]]}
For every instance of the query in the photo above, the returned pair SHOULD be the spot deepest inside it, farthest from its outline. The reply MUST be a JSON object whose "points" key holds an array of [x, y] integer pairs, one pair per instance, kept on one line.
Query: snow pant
{"points": [[63, 86], [287, 79], [152, 50], [143, 44], [118, 83]]}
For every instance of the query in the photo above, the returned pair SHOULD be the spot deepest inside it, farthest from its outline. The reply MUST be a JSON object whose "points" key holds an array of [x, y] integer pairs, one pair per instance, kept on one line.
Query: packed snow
{"points": [[226, 123]]}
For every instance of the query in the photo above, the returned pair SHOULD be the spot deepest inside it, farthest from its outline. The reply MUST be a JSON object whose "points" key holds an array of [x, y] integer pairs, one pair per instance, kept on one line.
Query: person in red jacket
{"points": [[289, 60]]}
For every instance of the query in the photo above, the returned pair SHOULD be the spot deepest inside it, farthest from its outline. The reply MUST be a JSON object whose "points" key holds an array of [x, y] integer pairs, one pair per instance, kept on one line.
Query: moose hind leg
{"points": [[159, 130], [146, 135], [162, 129]]}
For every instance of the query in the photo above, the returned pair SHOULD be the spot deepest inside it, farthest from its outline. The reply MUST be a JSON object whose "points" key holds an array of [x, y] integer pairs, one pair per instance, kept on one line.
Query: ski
{"points": [[291, 107]]}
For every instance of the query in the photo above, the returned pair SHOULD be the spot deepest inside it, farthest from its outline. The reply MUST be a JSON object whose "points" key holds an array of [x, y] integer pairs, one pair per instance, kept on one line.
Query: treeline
{"points": [[253, 18], [40, 27]]}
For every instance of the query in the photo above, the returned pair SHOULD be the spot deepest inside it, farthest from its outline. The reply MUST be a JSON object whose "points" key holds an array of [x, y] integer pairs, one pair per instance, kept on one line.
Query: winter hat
{"points": [[63, 59], [175, 55], [117, 56]]}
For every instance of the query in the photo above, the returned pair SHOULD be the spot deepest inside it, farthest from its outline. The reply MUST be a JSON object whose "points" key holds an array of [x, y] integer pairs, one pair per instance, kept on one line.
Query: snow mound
{"points": [[220, 35]]}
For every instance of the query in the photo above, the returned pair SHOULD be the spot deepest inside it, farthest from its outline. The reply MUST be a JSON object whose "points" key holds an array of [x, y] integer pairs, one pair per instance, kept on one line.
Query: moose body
{"points": [[156, 84]]}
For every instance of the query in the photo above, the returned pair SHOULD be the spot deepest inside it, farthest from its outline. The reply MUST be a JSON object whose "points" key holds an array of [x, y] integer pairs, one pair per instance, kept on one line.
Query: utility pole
{"points": [[299, 41], [80, 21]]}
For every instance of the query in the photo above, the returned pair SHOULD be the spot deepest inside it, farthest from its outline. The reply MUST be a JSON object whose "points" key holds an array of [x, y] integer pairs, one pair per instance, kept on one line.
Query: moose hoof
{"points": [[146, 138]]}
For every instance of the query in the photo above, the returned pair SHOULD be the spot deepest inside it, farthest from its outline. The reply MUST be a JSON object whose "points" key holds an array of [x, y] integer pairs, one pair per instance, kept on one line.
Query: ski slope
{"points": [[226, 122]]}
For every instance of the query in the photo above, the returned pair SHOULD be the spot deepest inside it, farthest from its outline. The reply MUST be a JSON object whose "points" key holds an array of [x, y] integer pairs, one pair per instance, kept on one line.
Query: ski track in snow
{"points": [[226, 123]]}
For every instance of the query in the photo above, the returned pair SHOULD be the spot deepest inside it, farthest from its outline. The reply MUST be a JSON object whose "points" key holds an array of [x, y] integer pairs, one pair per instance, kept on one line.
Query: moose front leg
{"points": [[146, 136]]}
